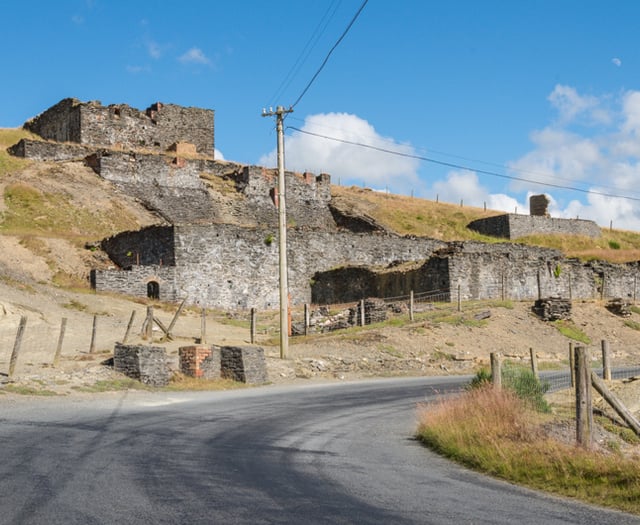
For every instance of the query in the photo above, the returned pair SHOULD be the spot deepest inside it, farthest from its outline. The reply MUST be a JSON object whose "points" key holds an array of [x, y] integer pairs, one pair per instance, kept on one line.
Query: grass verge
{"points": [[495, 432]]}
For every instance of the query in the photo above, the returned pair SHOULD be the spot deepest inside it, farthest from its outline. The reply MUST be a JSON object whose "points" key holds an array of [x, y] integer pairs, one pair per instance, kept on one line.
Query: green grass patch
{"points": [[113, 385], [635, 325], [570, 330], [24, 390]]}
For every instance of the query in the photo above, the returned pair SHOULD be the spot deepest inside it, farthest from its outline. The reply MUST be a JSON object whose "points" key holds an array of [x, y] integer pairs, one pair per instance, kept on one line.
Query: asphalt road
{"points": [[320, 454]]}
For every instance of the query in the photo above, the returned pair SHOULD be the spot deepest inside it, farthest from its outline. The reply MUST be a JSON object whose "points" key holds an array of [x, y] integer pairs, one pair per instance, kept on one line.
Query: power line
{"points": [[326, 59], [462, 167], [311, 43]]}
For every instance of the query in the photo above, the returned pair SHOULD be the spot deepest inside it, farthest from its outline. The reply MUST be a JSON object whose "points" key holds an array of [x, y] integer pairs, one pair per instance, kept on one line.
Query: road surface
{"points": [[339, 453]]}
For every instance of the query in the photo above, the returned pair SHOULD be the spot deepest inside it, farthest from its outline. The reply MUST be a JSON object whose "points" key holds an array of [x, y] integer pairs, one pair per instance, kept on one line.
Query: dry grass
{"points": [[445, 221], [495, 432]]}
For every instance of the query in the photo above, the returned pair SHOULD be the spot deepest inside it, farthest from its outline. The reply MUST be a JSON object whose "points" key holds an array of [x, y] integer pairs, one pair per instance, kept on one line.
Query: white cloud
{"points": [[616, 61], [570, 104], [194, 55], [348, 163], [603, 161], [465, 186], [217, 154]]}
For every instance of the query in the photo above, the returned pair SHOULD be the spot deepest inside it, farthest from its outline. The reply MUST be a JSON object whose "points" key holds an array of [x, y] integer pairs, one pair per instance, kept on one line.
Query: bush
{"points": [[526, 386]]}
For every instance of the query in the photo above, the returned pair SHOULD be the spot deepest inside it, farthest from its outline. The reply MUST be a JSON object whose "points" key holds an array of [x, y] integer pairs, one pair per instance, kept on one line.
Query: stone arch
{"points": [[153, 290]]}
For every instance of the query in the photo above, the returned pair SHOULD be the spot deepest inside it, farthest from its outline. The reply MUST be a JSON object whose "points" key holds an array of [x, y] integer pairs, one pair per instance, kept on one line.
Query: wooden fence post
{"points": [[496, 370], [306, 319], [584, 412], [459, 300], [411, 306], [129, 325], [63, 328], [94, 329], [148, 324], [534, 362], [16, 345], [606, 361], [572, 364], [203, 327], [539, 285], [175, 317], [362, 314], [252, 325], [615, 403]]}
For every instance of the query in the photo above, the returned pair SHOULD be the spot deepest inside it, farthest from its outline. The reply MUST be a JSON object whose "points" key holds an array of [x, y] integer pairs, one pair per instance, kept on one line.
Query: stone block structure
{"points": [[121, 126], [512, 226], [538, 205], [200, 361], [246, 364], [147, 364]]}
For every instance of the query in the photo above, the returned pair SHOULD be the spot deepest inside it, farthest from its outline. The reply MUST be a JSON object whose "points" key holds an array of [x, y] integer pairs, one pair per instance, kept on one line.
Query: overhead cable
{"points": [[462, 167]]}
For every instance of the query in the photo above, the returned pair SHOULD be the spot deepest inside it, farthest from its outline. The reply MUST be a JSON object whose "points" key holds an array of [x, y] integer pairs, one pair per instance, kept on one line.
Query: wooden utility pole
{"points": [[279, 113]]}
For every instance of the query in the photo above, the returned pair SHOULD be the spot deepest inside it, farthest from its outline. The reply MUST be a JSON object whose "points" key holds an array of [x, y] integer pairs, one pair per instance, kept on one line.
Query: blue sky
{"points": [[496, 95]]}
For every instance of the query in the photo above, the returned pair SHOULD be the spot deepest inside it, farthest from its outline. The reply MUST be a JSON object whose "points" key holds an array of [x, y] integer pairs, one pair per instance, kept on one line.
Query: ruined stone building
{"points": [[217, 245]]}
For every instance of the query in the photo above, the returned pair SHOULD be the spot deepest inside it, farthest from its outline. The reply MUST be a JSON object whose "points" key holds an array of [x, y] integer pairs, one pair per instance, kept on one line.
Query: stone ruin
{"points": [[553, 309], [538, 205]]}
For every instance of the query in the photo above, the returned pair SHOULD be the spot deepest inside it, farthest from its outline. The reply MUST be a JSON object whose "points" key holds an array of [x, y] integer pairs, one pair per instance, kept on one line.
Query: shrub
{"points": [[526, 386]]}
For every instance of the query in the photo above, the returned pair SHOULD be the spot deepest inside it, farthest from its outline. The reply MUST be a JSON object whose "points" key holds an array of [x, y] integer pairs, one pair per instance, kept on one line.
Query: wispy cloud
{"points": [[195, 55], [137, 70], [616, 61], [154, 49], [77, 19]]}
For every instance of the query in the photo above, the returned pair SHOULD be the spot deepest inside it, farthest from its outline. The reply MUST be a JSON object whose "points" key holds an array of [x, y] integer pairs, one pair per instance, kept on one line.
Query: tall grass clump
{"points": [[526, 386], [496, 432]]}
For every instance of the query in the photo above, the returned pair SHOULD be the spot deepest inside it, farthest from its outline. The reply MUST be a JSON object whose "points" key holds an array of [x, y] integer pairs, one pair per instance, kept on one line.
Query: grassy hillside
{"points": [[413, 216]]}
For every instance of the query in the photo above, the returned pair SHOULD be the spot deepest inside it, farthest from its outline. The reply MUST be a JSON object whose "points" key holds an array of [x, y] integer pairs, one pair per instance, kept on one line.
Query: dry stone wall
{"points": [[513, 226]]}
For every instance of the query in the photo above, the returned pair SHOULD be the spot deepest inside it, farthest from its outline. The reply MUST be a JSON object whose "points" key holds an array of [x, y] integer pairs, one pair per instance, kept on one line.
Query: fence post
{"points": [[16, 345], [572, 364], [539, 285], [129, 325], [175, 317], [253, 326], [411, 306], [203, 327], [306, 319], [459, 300], [362, 315], [94, 329], [534, 362], [604, 281], [63, 328], [606, 361], [496, 370], [148, 324], [502, 284], [584, 413]]}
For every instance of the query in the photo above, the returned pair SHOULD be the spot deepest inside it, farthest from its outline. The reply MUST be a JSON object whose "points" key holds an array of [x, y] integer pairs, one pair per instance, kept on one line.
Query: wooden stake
{"points": [[411, 306], [606, 361], [306, 319], [175, 317], [129, 325], [92, 346], [253, 326], [496, 370], [615, 403], [63, 328], [203, 327], [572, 364], [534, 362], [16, 345]]}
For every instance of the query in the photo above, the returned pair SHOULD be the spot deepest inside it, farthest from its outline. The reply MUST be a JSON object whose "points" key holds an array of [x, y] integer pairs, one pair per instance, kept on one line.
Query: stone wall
{"points": [[512, 226], [118, 125], [246, 364], [148, 364], [229, 266], [483, 271], [150, 246], [42, 150], [136, 281]]}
